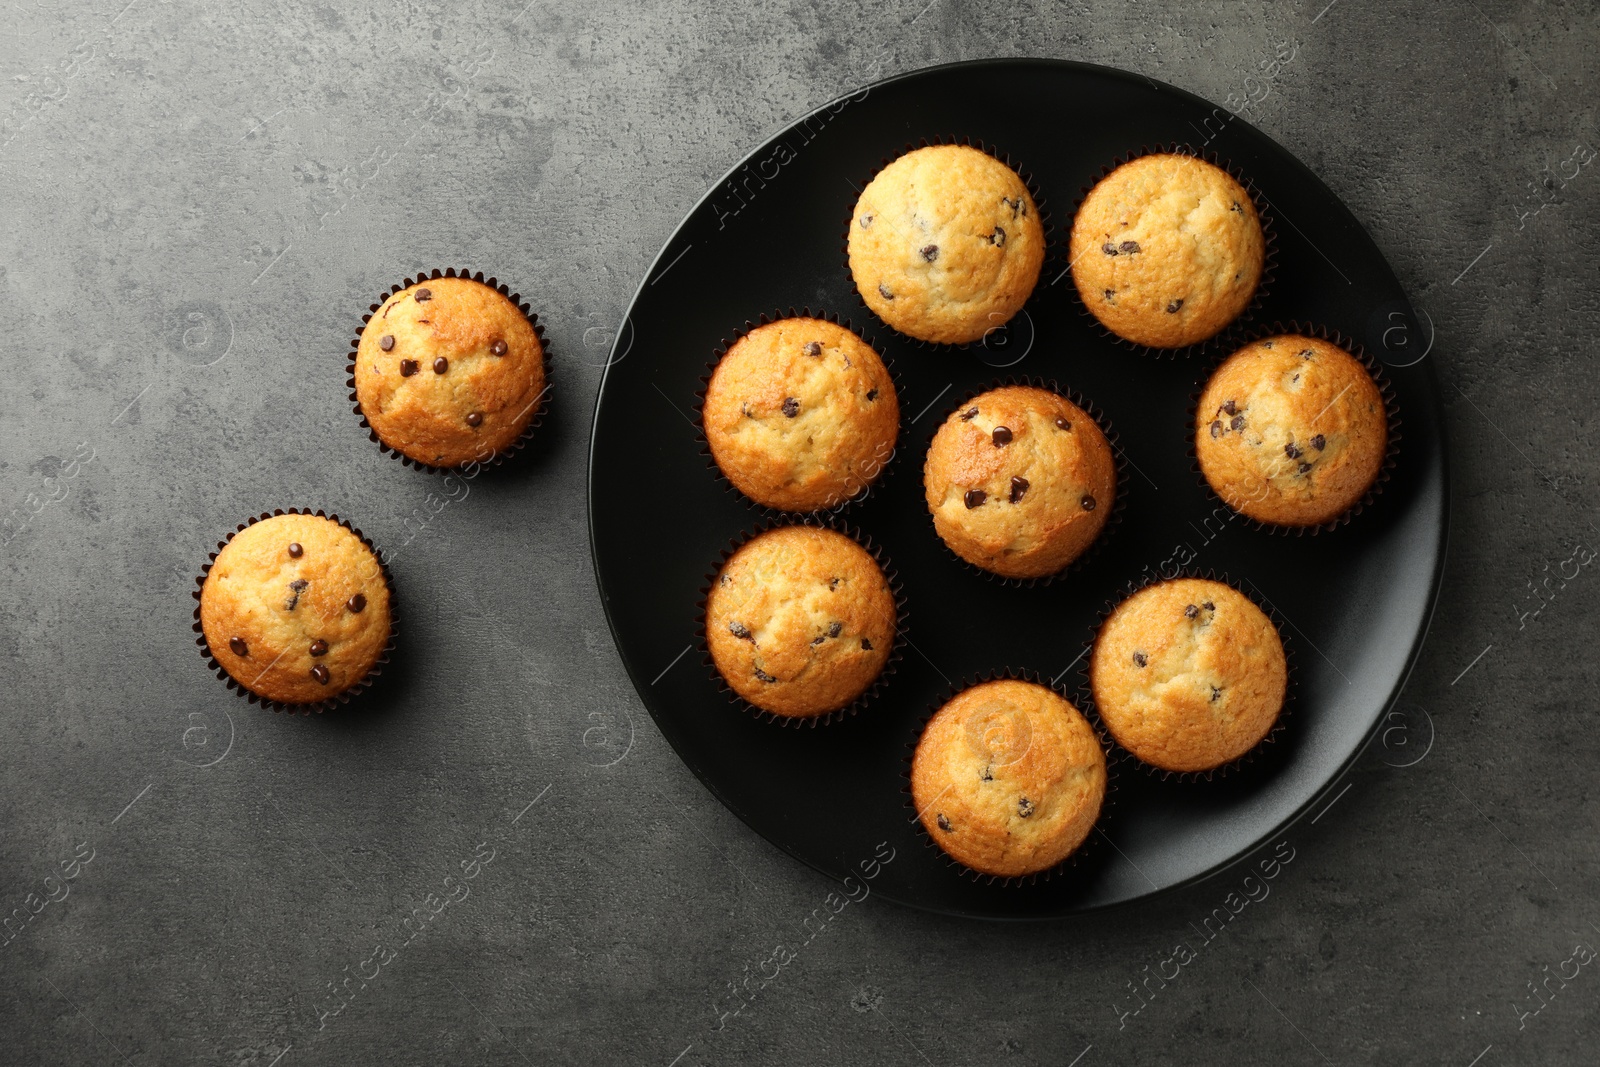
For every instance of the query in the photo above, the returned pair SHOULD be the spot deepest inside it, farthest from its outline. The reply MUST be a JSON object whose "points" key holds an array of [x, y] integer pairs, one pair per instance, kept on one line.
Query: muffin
{"points": [[946, 244], [1291, 431], [1188, 674], [296, 608], [1008, 778], [800, 621], [449, 370], [1020, 481], [1167, 250], [801, 415]]}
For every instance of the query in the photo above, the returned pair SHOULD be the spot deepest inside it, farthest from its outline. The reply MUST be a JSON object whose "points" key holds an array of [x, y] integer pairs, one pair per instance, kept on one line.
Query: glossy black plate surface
{"points": [[1355, 601]]}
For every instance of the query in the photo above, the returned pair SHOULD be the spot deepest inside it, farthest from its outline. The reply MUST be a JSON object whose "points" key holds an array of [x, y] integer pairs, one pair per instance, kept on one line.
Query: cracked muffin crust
{"points": [[801, 415], [1019, 481], [296, 608], [449, 371], [1188, 674], [1167, 250], [946, 244], [800, 621], [1291, 430], [1008, 778]]}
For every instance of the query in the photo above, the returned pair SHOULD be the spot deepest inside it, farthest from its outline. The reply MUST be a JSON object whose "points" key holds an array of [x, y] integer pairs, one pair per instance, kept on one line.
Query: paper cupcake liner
{"points": [[778, 514], [1238, 763], [1051, 252], [868, 695], [490, 459], [342, 697], [1269, 255], [1391, 412], [1090, 844], [1117, 509]]}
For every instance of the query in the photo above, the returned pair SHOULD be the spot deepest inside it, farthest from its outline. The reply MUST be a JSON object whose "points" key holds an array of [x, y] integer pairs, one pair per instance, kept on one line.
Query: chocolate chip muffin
{"points": [[296, 608], [449, 371], [1291, 431], [1167, 250], [801, 415], [946, 244], [800, 621], [1188, 674], [1008, 778], [1020, 481]]}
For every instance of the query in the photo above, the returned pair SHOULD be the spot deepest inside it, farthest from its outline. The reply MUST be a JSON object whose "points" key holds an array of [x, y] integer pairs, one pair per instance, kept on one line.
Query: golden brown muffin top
{"points": [[800, 621], [946, 244], [1167, 250], [449, 371], [1291, 430], [801, 414], [295, 608], [1188, 674], [1008, 778], [1020, 481]]}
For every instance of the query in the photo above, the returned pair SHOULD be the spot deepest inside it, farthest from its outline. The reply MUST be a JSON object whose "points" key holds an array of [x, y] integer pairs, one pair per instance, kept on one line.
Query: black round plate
{"points": [[1354, 603]]}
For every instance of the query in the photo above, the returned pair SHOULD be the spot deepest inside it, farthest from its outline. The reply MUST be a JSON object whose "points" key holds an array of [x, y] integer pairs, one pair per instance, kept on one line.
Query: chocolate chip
{"points": [[295, 589], [1002, 436], [1266, 344], [1109, 249], [1172, 308], [441, 365], [319, 647], [1019, 487], [320, 673], [239, 647], [866, 221], [987, 775], [474, 418], [1237, 207], [818, 640], [812, 348], [764, 676], [1306, 353], [1216, 428], [833, 583], [295, 551], [834, 630], [975, 498], [1063, 423], [1024, 807], [1209, 606], [1319, 442], [1291, 450], [998, 237], [866, 645], [408, 367], [884, 290], [872, 394], [969, 414], [1111, 295], [356, 604], [1140, 659], [1191, 612], [1130, 247], [424, 294], [740, 630], [1304, 467], [930, 252], [944, 823], [1014, 204], [791, 406], [498, 348], [1236, 423], [386, 342], [1230, 408], [1216, 694], [1087, 502]]}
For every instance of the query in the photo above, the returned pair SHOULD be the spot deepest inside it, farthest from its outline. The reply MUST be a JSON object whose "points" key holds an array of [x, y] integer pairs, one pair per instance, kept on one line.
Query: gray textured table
{"points": [[197, 204]]}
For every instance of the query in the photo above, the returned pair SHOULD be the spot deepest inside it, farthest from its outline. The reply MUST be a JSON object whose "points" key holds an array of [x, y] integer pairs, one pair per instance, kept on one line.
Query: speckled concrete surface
{"points": [[199, 199]]}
